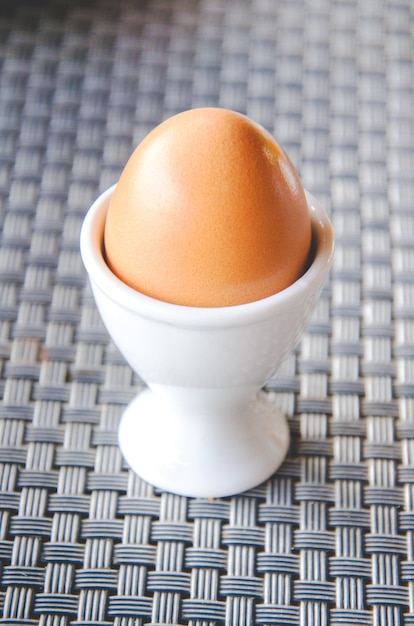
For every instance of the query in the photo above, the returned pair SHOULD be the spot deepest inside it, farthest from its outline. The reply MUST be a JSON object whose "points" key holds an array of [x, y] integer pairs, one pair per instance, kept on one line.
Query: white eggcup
{"points": [[203, 427]]}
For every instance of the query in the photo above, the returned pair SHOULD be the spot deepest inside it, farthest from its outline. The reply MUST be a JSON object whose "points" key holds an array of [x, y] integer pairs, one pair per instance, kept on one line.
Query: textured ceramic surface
{"points": [[201, 429]]}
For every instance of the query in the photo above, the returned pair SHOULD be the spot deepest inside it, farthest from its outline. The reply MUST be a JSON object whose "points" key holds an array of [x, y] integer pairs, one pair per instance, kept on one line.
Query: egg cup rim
{"points": [[92, 253]]}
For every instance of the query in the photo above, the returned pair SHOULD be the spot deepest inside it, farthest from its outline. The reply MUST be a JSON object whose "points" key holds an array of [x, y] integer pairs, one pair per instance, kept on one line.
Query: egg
{"points": [[209, 211]]}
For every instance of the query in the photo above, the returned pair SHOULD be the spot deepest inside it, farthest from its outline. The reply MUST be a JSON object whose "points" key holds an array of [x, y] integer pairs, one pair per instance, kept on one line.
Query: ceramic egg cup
{"points": [[202, 427]]}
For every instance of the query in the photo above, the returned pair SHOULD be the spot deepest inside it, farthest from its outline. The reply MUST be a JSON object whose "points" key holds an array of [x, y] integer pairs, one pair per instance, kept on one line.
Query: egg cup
{"points": [[203, 427]]}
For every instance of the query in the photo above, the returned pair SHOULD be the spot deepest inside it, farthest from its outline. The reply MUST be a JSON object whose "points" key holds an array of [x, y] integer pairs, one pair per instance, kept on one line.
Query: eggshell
{"points": [[209, 211]]}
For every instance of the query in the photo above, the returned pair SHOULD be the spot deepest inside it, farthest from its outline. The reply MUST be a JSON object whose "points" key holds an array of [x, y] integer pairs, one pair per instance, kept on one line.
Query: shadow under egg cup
{"points": [[202, 428]]}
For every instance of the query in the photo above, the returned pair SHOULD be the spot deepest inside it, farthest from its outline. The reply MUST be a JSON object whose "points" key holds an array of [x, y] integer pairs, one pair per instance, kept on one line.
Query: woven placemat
{"points": [[329, 539]]}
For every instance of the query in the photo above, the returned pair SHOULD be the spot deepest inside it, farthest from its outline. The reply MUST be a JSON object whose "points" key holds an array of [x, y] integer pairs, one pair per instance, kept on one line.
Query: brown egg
{"points": [[209, 211]]}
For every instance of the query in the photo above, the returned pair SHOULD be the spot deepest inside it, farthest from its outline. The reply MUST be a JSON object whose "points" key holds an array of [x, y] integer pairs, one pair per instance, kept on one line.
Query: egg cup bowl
{"points": [[203, 427]]}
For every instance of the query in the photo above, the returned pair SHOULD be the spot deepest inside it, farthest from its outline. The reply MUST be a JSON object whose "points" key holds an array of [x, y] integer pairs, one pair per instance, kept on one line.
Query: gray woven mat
{"points": [[329, 539]]}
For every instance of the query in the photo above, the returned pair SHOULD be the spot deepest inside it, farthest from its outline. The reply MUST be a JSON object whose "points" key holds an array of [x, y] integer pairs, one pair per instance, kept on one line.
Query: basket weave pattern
{"points": [[329, 539]]}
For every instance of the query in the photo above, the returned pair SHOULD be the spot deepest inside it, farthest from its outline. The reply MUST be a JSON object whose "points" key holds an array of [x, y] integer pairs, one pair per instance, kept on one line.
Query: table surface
{"points": [[329, 538]]}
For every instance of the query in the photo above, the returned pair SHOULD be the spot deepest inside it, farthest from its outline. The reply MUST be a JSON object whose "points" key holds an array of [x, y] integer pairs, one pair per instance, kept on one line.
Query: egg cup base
{"points": [[195, 454]]}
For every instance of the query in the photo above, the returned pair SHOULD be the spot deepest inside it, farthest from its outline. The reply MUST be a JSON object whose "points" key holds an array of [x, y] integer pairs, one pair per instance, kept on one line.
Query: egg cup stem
{"points": [[215, 449]]}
